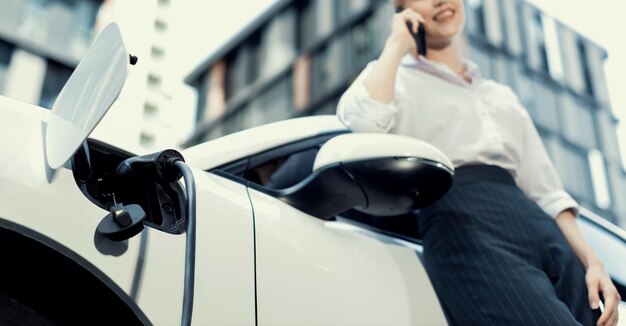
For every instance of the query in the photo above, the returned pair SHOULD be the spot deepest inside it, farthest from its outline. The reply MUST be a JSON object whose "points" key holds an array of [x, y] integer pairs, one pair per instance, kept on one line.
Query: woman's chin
{"points": [[441, 41]]}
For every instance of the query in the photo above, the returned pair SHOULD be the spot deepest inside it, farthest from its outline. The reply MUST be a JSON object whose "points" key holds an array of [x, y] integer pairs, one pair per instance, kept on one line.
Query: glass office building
{"points": [[41, 41], [299, 56]]}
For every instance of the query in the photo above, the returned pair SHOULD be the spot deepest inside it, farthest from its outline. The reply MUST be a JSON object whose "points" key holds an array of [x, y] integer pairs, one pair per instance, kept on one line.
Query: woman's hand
{"points": [[381, 81], [400, 35], [599, 284], [598, 281]]}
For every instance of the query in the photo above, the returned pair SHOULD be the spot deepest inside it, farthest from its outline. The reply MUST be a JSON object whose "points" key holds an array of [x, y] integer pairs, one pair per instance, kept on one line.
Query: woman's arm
{"points": [[598, 280], [538, 178], [368, 104], [381, 81]]}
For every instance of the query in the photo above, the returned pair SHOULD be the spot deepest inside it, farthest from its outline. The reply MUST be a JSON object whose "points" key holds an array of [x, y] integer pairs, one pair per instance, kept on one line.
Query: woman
{"points": [[502, 247]]}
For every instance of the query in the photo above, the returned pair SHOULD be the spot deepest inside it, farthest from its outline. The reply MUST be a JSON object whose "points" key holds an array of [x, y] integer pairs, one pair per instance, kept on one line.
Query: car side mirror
{"points": [[378, 174]]}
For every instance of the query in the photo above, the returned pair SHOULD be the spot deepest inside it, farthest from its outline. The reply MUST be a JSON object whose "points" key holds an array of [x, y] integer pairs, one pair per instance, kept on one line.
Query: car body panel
{"points": [[314, 272], [50, 203], [224, 282], [252, 141]]}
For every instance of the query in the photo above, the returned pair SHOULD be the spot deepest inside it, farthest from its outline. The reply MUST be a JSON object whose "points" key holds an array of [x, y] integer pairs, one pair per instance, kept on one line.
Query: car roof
{"points": [[255, 140]]}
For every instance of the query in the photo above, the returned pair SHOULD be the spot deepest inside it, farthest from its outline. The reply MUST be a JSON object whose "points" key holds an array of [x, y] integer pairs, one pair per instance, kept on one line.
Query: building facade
{"points": [[298, 57], [41, 42], [154, 110]]}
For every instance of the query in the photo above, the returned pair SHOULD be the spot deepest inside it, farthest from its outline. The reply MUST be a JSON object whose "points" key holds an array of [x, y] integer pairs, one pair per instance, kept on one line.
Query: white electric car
{"points": [[296, 223]]}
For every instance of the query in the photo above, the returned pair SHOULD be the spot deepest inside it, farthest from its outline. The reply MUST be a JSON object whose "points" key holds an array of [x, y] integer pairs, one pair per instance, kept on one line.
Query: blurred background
{"points": [[210, 68]]}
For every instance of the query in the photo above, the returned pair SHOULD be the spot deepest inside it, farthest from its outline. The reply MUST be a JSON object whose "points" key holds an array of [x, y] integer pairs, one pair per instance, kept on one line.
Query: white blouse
{"points": [[478, 122]]}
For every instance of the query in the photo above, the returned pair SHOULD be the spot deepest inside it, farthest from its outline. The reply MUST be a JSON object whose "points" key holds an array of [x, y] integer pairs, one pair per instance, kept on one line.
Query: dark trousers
{"points": [[495, 258]]}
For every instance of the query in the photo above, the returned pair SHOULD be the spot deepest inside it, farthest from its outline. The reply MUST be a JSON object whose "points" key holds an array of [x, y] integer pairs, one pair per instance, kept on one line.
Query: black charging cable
{"points": [[169, 166], [190, 247]]}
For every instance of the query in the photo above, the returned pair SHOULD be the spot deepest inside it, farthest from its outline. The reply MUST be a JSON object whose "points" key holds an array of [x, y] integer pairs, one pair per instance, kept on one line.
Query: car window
{"points": [[285, 171], [284, 166], [287, 165]]}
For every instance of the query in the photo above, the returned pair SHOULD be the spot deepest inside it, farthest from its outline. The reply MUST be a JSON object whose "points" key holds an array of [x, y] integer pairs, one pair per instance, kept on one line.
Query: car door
{"points": [[224, 260], [316, 272]]}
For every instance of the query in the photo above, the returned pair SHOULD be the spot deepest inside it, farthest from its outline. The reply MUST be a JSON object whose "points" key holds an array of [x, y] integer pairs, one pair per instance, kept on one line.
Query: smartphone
{"points": [[419, 37]]}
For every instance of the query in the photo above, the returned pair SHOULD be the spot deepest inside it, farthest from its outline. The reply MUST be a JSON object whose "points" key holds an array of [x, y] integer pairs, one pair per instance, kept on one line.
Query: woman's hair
{"points": [[397, 3]]}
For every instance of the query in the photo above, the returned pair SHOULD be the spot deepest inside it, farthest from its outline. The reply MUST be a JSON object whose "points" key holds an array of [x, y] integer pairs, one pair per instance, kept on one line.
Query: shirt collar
{"points": [[441, 70]]}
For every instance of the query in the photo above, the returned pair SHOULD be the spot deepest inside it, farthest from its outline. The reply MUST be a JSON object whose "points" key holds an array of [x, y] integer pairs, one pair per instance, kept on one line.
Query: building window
{"points": [[214, 132], [306, 34], [160, 25], [510, 21], [476, 17], [157, 53], [32, 22], [347, 9], [599, 179], [576, 176], [54, 80], [364, 46], [64, 25], [271, 105], [608, 132], [10, 14], [552, 48], [524, 87], [154, 81], [617, 184], [545, 113], [538, 37], [278, 43], [244, 65], [146, 139], [577, 122], [277, 101], [324, 17], [572, 65], [150, 111], [250, 115], [500, 68], [6, 51], [552, 146], [255, 58], [237, 71], [584, 59], [316, 19], [329, 107], [492, 22], [482, 57], [329, 68], [620, 132], [84, 19]]}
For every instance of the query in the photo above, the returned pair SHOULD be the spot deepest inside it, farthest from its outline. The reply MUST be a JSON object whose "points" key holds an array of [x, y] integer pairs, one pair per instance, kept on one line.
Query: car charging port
{"points": [[156, 175], [108, 176]]}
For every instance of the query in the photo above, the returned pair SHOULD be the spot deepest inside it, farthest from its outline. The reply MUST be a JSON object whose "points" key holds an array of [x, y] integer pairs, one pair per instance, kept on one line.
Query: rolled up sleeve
{"points": [[537, 176], [360, 113]]}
